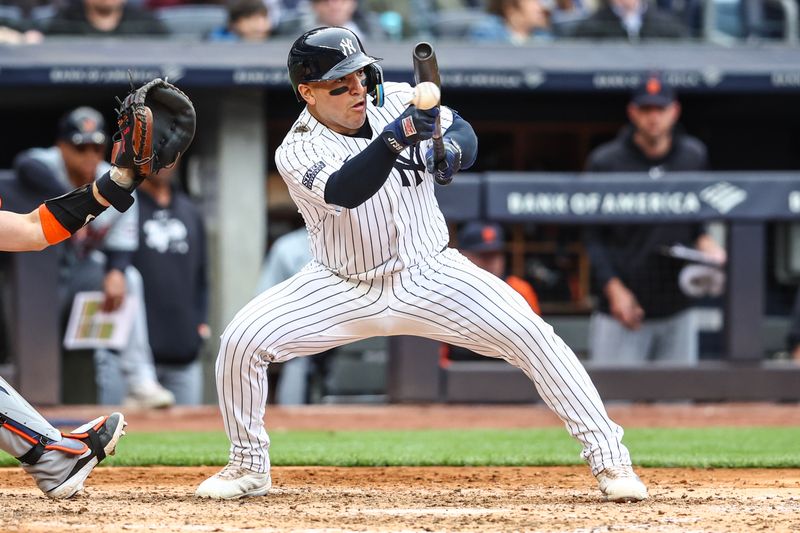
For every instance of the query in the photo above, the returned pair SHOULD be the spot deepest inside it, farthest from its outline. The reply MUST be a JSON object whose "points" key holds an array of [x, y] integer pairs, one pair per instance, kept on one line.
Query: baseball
{"points": [[426, 95]]}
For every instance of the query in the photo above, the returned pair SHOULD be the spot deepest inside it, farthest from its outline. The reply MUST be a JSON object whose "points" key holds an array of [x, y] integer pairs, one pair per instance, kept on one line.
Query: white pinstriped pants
{"points": [[447, 298]]}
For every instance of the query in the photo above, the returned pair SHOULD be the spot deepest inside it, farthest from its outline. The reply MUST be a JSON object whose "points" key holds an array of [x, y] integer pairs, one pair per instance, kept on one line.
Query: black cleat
{"points": [[100, 436]]}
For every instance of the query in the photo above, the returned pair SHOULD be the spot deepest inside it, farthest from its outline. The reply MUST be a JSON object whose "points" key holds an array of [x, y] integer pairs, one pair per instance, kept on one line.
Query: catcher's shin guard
{"points": [[41, 448], [24, 424]]}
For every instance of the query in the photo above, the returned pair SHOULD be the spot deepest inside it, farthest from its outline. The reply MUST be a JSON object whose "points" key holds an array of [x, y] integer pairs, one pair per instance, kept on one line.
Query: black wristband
{"points": [[76, 208], [118, 197], [391, 141]]}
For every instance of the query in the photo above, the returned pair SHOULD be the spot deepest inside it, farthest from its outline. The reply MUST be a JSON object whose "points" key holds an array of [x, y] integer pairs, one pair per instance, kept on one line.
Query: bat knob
{"points": [[440, 174], [443, 180]]}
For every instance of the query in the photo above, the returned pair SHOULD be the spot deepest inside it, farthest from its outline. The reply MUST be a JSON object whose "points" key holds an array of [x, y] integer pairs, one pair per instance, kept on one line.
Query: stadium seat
{"points": [[358, 373], [10, 14], [42, 15], [455, 23], [781, 19], [729, 19], [725, 20], [192, 20]]}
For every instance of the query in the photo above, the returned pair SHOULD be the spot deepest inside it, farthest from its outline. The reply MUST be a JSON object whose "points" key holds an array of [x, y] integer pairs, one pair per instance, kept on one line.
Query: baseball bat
{"points": [[427, 69]]}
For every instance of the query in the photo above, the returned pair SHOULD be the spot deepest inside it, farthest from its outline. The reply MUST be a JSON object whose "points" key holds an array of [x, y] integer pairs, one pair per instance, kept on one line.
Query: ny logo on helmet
{"points": [[347, 46]]}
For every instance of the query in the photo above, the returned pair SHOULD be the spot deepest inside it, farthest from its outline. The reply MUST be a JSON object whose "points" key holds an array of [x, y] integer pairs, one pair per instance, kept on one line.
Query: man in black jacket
{"points": [[642, 313], [99, 256], [173, 262], [633, 20], [112, 18]]}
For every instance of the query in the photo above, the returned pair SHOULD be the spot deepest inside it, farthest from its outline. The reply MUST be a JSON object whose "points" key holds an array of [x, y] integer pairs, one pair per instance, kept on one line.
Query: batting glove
{"points": [[452, 155], [412, 126]]}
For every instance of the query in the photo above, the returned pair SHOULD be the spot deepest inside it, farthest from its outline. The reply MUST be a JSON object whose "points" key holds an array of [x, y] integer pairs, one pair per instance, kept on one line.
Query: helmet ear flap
{"points": [[374, 79]]}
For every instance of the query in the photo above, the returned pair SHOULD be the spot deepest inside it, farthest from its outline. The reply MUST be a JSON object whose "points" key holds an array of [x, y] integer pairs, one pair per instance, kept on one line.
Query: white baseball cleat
{"points": [[234, 482], [621, 484], [149, 395]]}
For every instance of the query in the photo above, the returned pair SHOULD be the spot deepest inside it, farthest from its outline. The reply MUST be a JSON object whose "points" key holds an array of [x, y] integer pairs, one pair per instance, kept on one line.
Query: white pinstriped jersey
{"points": [[396, 228]]}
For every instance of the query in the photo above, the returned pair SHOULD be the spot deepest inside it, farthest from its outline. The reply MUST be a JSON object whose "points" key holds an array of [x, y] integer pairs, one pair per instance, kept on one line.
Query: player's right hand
{"points": [[452, 154], [412, 126], [623, 305]]}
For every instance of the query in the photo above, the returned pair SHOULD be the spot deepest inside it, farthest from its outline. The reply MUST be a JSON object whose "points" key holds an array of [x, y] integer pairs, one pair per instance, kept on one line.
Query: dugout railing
{"points": [[745, 202]]}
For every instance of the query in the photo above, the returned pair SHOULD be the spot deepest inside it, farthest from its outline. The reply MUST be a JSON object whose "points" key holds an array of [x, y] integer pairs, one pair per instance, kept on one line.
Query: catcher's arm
{"points": [[54, 220], [156, 125], [21, 232]]}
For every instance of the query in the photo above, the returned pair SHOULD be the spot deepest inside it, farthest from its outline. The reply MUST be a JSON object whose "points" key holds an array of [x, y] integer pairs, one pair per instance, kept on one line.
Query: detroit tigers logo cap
{"points": [[481, 237], [83, 125], [653, 91]]}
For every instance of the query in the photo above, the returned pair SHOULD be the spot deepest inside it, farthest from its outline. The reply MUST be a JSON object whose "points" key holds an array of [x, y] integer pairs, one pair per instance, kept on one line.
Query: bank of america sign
{"points": [[722, 197]]}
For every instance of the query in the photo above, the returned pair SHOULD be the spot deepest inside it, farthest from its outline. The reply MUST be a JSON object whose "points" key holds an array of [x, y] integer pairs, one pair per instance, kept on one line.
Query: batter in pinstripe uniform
{"points": [[358, 169]]}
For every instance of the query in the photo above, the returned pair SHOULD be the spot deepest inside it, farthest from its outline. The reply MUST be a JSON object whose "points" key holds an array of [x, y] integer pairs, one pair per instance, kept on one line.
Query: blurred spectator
{"points": [[287, 256], [248, 20], [174, 266], [275, 8], [633, 20], [689, 12], [762, 20], [398, 19], [98, 256], [15, 27], [172, 261], [26, 7], [344, 13], [104, 17], [484, 244], [513, 22], [336, 13], [567, 12], [642, 312], [9, 35]]}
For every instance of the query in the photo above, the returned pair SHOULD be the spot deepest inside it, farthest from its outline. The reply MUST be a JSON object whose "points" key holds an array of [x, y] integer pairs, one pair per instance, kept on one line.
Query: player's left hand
{"points": [[412, 126], [452, 155]]}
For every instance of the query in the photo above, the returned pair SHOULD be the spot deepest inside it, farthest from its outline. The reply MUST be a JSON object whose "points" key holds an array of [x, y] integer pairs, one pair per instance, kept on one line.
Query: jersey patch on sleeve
{"points": [[311, 174]]}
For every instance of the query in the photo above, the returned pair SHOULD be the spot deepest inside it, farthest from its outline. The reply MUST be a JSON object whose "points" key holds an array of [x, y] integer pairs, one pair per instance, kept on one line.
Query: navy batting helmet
{"points": [[331, 53]]}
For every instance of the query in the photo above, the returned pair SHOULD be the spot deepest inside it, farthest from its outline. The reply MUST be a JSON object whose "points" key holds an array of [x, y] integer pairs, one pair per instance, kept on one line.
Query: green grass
{"points": [[705, 447]]}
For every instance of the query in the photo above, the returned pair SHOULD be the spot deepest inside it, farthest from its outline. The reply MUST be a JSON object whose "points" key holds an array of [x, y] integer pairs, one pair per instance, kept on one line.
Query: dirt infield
{"points": [[422, 499], [412, 499]]}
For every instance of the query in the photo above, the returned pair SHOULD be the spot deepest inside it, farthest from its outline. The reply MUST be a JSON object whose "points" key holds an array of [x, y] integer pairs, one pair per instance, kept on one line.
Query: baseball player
{"points": [[59, 463], [359, 170], [156, 125]]}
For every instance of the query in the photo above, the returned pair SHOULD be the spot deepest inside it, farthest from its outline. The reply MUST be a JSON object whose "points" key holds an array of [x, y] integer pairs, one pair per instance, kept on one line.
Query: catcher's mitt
{"points": [[156, 125]]}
